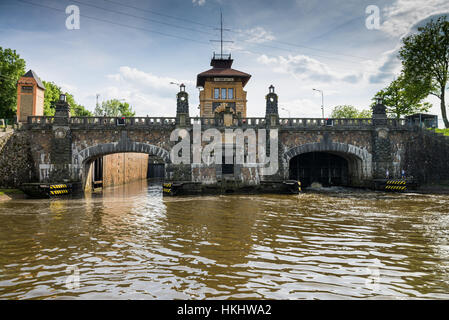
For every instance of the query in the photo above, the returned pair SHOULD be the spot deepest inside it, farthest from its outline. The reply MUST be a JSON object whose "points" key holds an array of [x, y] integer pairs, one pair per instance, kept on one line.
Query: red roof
{"points": [[221, 68]]}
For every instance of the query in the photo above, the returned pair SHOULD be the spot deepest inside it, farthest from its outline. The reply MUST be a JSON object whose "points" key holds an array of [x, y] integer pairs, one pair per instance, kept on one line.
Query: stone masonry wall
{"points": [[25, 155], [16, 164], [426, 157]]}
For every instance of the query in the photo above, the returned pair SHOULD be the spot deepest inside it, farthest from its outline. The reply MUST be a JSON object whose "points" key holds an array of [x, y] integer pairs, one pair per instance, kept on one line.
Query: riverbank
{"points": [[10, 194]]}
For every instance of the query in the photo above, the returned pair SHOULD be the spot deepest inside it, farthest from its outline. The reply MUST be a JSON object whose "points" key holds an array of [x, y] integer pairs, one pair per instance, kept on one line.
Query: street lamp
{"points": [[180, 85], [322, 101], [289, 115]]}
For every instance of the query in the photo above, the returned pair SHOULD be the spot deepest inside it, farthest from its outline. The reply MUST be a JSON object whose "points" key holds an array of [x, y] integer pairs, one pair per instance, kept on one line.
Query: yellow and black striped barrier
{"points": [[396, 185], [58, 192], [167, 188], [59, 189], [58, 186]]}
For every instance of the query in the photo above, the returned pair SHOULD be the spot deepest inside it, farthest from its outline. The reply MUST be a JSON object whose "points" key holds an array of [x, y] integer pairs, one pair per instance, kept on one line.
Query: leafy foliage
{"points": [[114, 108], [52, 92], [425, 59], [443, 131], [349, 112], [404, 97], [12, 67]]}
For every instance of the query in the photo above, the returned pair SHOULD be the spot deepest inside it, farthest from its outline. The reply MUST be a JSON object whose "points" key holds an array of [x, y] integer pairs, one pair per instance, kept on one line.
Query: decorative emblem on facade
{"points": [[222, 108], [60, 133], [382, 133]]}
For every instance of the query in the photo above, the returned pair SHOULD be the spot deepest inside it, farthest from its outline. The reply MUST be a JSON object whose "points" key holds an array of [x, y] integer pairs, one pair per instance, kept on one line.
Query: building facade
{"points": [[222, 87], [30, 96]]}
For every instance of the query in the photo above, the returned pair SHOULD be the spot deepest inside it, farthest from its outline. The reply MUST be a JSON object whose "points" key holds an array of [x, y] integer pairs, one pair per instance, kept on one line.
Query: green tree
{"points": [[52, 92], [114, 108], [12, 67], [51, 95], [425, 59], [404, 97], [349, 112]]}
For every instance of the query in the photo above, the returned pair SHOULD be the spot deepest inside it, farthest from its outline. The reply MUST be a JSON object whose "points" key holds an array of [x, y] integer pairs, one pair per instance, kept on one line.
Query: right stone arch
{"points": [[359, 159]]}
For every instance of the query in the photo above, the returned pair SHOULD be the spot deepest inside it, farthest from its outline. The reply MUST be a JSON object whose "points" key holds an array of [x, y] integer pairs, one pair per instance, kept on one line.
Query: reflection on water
{"points": [[129, 242]]}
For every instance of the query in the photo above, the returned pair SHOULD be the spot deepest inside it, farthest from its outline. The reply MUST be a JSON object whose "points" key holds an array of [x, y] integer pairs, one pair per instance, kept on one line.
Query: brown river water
{"points": [[131, 243]]}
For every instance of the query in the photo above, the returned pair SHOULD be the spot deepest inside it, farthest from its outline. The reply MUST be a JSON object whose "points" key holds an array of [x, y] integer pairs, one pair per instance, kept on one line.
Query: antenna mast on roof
{"points": [[221, 35]]}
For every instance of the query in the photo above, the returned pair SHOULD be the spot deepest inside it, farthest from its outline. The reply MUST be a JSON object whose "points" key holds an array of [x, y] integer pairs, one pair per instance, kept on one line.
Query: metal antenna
{"points": [[221, 34]]}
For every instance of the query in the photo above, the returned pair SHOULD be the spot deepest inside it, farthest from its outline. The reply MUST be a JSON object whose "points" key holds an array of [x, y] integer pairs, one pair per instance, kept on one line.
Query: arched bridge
{"points": [[351, 152]]}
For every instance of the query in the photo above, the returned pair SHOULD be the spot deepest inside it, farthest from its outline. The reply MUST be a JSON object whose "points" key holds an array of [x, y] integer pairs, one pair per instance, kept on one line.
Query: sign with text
{"points": [[223, 79]]}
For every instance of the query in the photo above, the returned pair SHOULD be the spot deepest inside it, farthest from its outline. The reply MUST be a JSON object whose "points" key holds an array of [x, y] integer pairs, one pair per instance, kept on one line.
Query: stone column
{"points": [[382, 152], [272, 125], [182, 107], [272, 113], [61, 143]]}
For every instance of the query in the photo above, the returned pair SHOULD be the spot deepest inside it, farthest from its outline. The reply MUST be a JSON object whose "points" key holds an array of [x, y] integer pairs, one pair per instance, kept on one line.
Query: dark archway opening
{"points": [[156, 168], [328, 169]]}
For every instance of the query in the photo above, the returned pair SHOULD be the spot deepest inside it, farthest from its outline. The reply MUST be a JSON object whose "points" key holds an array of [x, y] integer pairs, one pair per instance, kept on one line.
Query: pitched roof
{"points": [[221, 68], [228, 72], [32, 74]]}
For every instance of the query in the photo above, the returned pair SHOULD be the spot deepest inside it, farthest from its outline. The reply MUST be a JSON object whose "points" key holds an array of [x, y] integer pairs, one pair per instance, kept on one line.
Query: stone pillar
{"points": [[61, 143], [182, 107], [382, 152], [272, 125], [272, 113]]}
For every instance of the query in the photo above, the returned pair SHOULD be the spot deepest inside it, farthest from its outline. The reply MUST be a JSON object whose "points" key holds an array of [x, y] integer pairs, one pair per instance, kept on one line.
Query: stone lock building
{"points": [[349, 152], [222, 87]]}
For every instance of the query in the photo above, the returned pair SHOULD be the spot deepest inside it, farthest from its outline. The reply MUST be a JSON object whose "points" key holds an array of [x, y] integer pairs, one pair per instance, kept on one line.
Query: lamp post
{"points": [[177, 84], [289, 115], [322, 101]]}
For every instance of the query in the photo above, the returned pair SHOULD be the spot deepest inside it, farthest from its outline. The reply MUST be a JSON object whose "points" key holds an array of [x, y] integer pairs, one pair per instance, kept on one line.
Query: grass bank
{"points": [[443, 131], [8, 194]]}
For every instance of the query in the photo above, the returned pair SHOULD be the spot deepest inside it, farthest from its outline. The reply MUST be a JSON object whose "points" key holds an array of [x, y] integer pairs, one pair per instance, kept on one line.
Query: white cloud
{"points": [[301, 108], [306, 68], [72, 89], [138, 78], [199, 2], [257, 35], [149, 94], [386, 68], [399, 18]]}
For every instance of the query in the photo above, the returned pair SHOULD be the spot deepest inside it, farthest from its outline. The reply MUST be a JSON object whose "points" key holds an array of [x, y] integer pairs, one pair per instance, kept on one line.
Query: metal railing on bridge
{"points": [[254, 122], [98, 122]]}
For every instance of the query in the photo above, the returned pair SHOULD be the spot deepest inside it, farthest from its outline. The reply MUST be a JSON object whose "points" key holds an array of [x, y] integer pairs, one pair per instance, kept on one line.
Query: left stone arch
{"points": [[81, 159], [109, 148]]}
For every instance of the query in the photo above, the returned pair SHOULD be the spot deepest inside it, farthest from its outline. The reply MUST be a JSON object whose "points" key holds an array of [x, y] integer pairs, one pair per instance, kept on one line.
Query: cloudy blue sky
{"points": [[133, 49]]}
